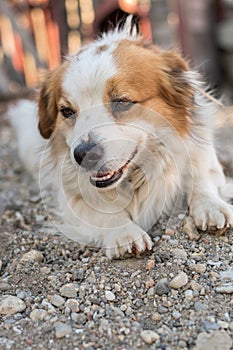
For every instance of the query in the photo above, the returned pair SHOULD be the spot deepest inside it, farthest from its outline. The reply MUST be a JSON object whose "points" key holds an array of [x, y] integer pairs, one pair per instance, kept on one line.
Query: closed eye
{"points": [[67, 112], [121, 105]]}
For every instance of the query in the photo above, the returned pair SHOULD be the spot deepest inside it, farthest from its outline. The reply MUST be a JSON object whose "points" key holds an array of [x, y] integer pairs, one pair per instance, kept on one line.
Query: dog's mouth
{"points": [[108, 178]]}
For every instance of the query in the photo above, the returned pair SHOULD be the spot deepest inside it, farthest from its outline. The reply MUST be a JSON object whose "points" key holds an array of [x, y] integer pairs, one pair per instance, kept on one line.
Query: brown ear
{"points": [[49, 96], [174, 86]]}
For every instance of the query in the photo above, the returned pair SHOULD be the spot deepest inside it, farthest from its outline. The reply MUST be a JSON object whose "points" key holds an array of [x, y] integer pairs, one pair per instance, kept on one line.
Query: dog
{"points": [[124, 131]]}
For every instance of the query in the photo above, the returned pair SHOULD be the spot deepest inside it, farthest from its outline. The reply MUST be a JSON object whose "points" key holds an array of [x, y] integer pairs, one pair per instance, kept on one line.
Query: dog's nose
{"points": [[88, 154]]}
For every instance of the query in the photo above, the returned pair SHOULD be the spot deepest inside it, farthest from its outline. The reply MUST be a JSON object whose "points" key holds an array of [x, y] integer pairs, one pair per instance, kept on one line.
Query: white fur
{"points": [[24, 119], [119, 217]]}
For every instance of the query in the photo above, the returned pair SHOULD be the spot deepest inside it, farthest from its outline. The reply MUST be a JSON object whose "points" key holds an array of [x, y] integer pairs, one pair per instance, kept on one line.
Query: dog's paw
{"points": [[212, 214], [118, 244]]}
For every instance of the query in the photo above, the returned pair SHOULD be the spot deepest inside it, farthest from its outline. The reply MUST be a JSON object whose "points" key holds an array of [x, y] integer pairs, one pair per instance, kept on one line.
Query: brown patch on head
{"points": [[101, 49], [50, 94], [154, 79]]}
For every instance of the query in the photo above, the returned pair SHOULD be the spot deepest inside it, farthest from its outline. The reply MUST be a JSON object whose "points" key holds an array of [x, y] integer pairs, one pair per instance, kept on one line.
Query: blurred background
{"points": [[36, 35]]}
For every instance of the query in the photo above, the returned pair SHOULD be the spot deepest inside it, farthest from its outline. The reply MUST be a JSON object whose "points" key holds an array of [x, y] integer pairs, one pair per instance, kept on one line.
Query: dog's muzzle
{"points": [[103, 179], [89, 156]]}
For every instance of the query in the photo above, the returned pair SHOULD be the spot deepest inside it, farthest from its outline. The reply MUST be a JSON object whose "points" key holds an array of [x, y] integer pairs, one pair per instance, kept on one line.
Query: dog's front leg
{"points": [[114, 231], [207, 207]]}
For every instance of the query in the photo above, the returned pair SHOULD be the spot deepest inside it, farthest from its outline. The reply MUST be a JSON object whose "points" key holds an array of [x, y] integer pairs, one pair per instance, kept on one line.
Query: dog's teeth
{"points": [[107, 177], [103, 178]]}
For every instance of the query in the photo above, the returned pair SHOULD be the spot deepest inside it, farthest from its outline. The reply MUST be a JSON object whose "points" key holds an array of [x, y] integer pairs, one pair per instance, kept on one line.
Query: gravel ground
{"points": [[55, 294]]}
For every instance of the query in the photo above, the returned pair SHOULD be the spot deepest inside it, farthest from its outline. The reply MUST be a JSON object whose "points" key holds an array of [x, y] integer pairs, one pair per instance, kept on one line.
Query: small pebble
{"points": [[73, 304], [182, 344], [39, 217], [200, 268], [169, 232], [38, 315], [156, 316], [104, 325], [151, 292], [149, 336], [164, 330], [179, 253], [32, 257], [78, 318], [21, 294], [109, 295], [123, 307], [228, 274], [162, 287], [198, 306], [164, 256], [176, 315], [137, 283], [202, 291], [78, 275], [188, 294], [69, 290], [48, 306], [195, 286], [4, 286], [150, 264], [214, 263], [211, 326], [226, 288], [166, 237], [149, 282], [190, 229], [11, 305], [223, 324], [45, 270], [179, 281], [222, 238], [117, 288], [128, 311], [57, 300], [62, 329], [213, 276], [67, 311], [162, 309], [181, 216]]}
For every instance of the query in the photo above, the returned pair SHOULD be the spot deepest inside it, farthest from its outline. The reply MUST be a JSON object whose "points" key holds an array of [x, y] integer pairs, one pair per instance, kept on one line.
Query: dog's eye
{"points": [[67, 112], [121, 105]]}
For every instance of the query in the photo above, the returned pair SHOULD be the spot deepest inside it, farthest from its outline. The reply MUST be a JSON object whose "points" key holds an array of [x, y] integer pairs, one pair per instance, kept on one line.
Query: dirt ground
{"points": [[178, 296]]}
